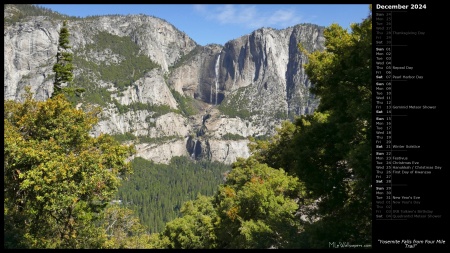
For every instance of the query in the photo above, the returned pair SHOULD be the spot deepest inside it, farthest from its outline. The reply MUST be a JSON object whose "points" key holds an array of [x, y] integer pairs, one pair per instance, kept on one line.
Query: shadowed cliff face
{"points": [[267, 62], [243, 88]]}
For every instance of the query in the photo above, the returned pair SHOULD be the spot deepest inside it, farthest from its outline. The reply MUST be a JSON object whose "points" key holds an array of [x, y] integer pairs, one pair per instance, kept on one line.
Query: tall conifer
{"points": [[63, 66]]}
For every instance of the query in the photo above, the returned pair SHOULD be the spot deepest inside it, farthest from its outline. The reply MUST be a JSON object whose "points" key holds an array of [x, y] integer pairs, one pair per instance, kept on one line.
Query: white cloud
{"points": [[283, 17], [200, 8], [248, 16], [225, 14]]}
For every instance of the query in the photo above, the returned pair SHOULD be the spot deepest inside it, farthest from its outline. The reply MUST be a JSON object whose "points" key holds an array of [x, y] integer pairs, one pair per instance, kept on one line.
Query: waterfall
{"points": [[210, 95], [217, 75], [193, 150]]}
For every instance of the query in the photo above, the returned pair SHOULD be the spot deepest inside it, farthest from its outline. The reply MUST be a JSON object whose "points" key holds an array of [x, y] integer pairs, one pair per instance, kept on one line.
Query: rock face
{"points": [[149, 89], [30, 50], [243, 88], [31, 46]]}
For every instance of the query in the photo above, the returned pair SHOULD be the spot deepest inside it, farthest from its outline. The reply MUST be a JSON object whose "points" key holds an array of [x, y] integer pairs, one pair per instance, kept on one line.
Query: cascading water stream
{"points": [[217, 76], [210, 95], [193, 150]]}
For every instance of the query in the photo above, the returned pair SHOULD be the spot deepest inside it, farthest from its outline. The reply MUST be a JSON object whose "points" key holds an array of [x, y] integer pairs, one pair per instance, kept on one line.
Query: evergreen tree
{"points": [[335, 146], [331, 150], [63, 67]]}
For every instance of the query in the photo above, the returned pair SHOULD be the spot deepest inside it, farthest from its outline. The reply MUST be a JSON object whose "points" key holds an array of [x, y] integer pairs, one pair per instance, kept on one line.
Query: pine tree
{"points": [[63, 67]]}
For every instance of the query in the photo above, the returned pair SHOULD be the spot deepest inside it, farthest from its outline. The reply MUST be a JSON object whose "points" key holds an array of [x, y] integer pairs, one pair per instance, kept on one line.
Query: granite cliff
{"points": [[161, 90]]}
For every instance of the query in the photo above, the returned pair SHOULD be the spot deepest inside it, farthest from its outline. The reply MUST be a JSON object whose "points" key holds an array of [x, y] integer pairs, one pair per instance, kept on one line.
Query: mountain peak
{"points": [[161, 90]]}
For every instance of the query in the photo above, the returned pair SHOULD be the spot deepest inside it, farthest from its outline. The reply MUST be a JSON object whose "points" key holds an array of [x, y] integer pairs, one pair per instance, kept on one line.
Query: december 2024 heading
{"points": [[400, 6]]}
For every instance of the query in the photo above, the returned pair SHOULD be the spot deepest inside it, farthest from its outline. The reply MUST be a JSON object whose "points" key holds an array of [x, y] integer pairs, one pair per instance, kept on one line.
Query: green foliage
{"points": [[57, 178], [124, 137], [260, 138], [277, 151], [235, 104], [195, 229], [27, 10], [133, 66], [123, 229], [331, 150], [234, 137], [156, 191], [63, 67], [186, 104], [136, 106], [121, 138], [343, 81], [97, 95], [93, 94], [158, 140], [122, 74], [281, 115], [255, 208], [183, 59], [48, 77]]}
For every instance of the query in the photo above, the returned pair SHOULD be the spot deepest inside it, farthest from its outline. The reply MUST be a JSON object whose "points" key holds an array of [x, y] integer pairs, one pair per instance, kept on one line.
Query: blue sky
{"points": [[219, 23]]}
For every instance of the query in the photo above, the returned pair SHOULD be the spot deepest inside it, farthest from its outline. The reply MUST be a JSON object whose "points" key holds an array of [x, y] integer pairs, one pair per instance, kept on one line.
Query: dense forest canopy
{"points": [[156, 192]]}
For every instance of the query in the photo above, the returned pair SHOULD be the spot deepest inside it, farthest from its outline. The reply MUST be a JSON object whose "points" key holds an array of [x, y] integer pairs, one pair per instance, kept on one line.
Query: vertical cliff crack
{"points": [[228, 151]]}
